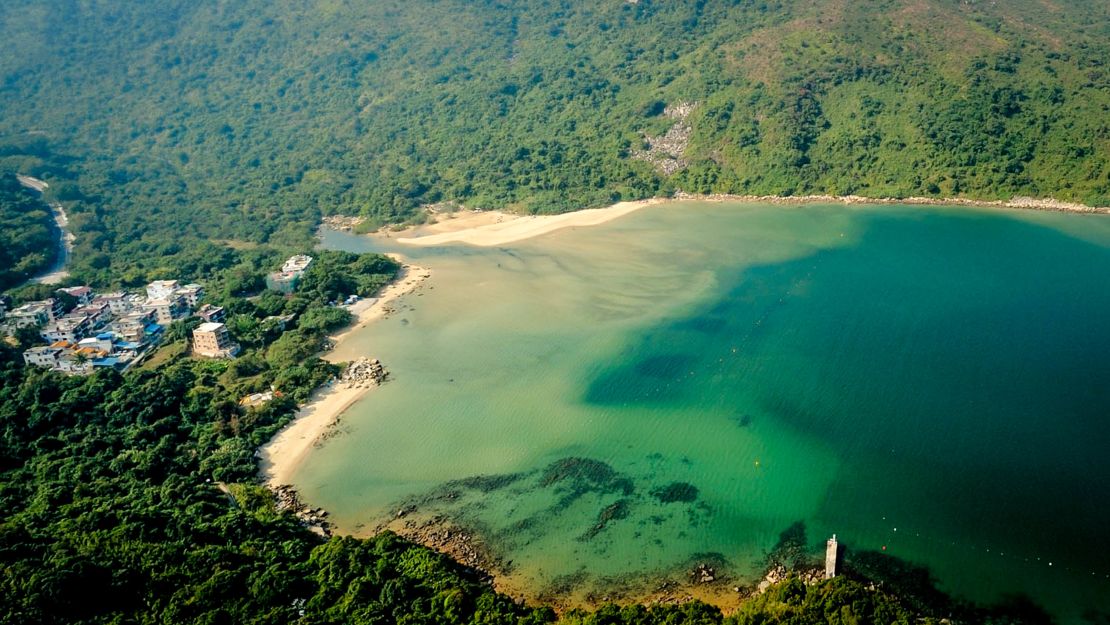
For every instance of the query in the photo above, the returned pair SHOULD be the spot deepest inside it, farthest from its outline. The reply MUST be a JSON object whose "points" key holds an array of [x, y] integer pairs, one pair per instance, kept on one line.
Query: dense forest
{"points": [[28, 238], [247, 121], [132, 498], [205, 140]]}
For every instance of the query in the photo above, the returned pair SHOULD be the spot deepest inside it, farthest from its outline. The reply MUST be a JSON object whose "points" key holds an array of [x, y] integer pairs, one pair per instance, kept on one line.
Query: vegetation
{"points": [[248, 121], [28, 239], [133, 498], [110, 512], [204, 141]]}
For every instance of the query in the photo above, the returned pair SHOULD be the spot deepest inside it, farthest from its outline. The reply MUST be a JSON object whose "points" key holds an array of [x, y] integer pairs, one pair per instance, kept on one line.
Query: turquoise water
{"points": [[684, 383]]}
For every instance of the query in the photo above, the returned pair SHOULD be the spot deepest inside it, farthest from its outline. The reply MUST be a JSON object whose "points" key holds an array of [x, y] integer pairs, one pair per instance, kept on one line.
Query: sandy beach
{"points": [[281, 457], [285, 452], [493, 228], [371, 309]]}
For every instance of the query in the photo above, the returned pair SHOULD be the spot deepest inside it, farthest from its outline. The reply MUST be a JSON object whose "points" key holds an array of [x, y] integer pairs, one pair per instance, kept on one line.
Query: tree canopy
{"points": [[246, 122]]}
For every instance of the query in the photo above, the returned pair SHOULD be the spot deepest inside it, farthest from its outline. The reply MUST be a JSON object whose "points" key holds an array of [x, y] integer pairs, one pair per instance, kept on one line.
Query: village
{"points": [[119, 329]]}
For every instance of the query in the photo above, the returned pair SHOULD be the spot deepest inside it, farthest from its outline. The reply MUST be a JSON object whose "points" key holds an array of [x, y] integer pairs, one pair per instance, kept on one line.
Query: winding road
{"points": [[57, 271]]}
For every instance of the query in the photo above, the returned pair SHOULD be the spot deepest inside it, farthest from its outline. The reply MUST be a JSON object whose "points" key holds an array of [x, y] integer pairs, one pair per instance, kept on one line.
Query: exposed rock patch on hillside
{"points": [[667, 153]]}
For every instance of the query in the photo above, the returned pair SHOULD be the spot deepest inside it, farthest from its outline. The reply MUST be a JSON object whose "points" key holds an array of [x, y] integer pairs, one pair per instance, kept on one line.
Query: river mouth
{"points": [[699, 378]]}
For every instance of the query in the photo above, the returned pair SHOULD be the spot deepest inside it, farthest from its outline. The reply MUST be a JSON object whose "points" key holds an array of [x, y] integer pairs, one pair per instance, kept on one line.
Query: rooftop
{"points": [[209, 327]]}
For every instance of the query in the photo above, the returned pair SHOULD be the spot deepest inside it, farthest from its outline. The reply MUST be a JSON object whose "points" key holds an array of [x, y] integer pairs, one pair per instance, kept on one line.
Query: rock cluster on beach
{"points": [[312, 518], [444, 536], [778, 573], [703, 574], [364, 372]]}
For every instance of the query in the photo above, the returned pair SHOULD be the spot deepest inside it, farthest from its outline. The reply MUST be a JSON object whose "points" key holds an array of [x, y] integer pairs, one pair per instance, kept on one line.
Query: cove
{"points": [[607, 406]]}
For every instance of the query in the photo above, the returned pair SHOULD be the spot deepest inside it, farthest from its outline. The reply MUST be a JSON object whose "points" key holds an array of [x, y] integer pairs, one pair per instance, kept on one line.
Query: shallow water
{"points": [[684, 383]]}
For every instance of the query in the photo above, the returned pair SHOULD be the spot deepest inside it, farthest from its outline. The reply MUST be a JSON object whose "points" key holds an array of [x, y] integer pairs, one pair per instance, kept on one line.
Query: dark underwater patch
{"points": [[791, 550], [585, 475], [742, 420], [613, 512], [665, 366], [486, 483], [676, 492]]}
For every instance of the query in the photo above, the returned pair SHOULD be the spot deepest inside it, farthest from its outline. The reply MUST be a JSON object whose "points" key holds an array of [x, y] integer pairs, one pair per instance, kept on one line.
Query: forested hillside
{"points": [[27, 235], [249, 120]]}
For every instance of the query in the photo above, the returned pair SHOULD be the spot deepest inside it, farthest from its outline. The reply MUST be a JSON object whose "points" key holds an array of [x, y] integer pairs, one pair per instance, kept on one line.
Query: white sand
{"points": [[372, 309], [283, 455], [500, 228]]}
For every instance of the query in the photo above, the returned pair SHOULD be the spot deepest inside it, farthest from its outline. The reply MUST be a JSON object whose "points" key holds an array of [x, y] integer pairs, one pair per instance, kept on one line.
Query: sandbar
{"points": [[497, 228]]}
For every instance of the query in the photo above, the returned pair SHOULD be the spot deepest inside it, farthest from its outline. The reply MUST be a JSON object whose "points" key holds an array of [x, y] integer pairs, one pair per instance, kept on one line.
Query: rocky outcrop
{"points": [[364, 372], [313, 518], [667, 153], [703, 574], [342, 223], [442, 535], [778, 573]]}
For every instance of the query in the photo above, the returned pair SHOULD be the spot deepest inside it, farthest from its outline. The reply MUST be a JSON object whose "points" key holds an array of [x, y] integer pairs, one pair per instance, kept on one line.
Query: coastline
{"points": [[286, 451], [708, 577], [1017, 202], [494, 228]]}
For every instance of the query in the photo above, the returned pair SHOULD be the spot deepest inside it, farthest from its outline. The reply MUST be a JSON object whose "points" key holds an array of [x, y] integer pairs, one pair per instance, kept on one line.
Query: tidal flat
{"points": [[604, 408]]}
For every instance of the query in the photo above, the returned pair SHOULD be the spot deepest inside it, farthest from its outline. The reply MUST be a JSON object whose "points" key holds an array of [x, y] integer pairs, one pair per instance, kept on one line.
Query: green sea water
{"points": [[604, 406]]}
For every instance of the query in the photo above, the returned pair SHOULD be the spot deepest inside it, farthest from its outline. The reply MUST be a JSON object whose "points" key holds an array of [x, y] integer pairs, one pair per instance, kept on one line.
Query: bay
{"points": [[607, 406]]}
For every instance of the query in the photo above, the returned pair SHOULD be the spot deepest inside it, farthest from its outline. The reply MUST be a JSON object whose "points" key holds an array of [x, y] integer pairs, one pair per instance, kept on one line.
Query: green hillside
{"points": [[250, 120], [28, 238]]}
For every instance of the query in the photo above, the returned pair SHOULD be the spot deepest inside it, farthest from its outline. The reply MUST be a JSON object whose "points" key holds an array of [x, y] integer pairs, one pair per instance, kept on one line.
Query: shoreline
{"points": [[708, 578], [494, 228], [283, 454], [1016, 202]]}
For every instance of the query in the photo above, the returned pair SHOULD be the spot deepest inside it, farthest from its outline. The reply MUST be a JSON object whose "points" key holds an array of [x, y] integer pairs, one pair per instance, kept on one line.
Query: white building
{"points": [[161, 289], [191, 293], [35, 313], [70, 329], [82, 294], [97, 314], [44, 356], [166, 311], [119, 303], [287, 279], [132, 327], [297, 264]]}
